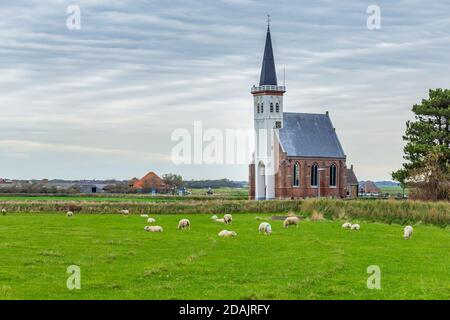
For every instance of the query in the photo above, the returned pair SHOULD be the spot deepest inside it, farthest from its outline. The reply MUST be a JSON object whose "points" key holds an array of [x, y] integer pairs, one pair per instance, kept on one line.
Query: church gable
{"points": [[309, 135]]}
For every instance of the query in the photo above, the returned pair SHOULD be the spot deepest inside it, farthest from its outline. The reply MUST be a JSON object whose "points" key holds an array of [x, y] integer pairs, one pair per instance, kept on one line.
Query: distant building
{"points": [[151, 182], [369, 187]]}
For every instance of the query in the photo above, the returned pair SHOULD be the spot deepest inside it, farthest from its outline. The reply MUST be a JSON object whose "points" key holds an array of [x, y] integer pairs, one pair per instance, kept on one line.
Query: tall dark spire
{"points": [[268, 73]]}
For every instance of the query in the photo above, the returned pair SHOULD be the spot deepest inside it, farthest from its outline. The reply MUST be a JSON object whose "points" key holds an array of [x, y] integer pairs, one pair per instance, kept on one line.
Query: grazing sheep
{"points": [[220, 220], [227, 234], [291, 221], [69, 214], [4, 211], [355, 226], [214, 217], [144, 215], [151, 220], [265, 228], [347, 225], [125, 212], [153, 229], [184, 224], [228, 219], [407, 232]]}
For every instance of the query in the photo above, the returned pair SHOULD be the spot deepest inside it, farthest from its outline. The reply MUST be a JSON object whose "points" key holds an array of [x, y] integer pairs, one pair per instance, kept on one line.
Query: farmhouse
{"points": [[151, 182], [297, 155]]}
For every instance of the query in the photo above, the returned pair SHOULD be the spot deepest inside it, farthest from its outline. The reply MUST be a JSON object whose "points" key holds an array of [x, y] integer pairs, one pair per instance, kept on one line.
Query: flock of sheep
{"points": [[264, 227], [407, 231]]}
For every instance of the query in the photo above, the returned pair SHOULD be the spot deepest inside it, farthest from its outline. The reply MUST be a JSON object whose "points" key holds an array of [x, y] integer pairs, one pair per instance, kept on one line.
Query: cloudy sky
{"points": [[103, 101]]}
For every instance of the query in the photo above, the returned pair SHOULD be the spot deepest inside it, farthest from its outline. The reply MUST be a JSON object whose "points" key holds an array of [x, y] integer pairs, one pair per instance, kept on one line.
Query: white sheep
{"points": [[227, 234], [151, 220], [184, 224], [265, 228], [291, 221], [408, 232], [144, 215], [214, 217], [347, 225], [355, 226], [69, 214], [220, 220], [125, 212], [4, 211], [228, 219], [153, 229]]}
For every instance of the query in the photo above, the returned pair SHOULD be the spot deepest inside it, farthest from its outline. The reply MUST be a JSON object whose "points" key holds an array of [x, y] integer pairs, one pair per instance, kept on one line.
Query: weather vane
{"points": [[268, 21]]}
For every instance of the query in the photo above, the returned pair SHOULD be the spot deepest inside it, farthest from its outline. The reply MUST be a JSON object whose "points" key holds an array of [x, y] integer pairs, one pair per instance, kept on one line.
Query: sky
{"points": [[103, 101]]}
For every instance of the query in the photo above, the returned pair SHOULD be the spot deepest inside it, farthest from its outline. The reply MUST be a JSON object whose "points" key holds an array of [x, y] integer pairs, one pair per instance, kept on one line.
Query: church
{"points": [[297, 155]]}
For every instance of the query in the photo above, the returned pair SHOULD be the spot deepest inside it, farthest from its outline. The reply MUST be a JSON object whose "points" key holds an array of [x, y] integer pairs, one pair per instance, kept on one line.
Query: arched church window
{"points": [[333, 175], [257, 108], [314, 171], [271, 107], [296, 175], [277, 108], [262, 107]]}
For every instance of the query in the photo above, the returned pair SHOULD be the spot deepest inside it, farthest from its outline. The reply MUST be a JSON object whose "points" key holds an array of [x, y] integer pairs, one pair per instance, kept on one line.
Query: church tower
{"points": [[268, 119]]}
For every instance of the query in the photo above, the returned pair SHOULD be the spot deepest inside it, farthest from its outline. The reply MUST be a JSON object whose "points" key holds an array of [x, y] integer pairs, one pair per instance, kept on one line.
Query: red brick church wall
{"points": [[284, 178]]}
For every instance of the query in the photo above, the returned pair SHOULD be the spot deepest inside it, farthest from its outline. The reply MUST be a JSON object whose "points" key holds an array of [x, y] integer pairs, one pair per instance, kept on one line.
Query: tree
{"points": [[426, 138], [432, 180], [173, 181]]}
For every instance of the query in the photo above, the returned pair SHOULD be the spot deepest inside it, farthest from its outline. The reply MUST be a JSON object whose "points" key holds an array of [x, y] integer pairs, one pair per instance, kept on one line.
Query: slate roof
{"points": [[351, 177], [310, 135], [268, 73]]}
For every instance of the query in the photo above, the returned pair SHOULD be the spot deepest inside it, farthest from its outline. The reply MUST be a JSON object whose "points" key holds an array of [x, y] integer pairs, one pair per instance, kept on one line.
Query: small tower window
{"points": [[277, 108], [271, 107], [262, 107], [257, 108]]}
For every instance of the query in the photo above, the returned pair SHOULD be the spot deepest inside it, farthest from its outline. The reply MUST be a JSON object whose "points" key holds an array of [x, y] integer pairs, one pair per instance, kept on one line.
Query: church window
{"points": [[314, 171], [277, 108], [257, 108], [296, 180], [271, 107], [333, 175], [262, 107]]}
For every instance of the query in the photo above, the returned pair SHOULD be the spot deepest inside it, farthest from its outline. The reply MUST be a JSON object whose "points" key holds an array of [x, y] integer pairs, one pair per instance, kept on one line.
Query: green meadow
{"points": [[119, 260]]}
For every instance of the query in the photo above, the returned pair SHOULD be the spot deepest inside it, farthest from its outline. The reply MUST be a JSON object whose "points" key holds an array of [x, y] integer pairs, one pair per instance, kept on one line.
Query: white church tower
{"points": [[268, 119]]}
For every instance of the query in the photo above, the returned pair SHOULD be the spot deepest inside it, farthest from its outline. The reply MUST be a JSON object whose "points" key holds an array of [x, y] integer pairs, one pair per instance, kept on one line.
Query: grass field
{"points": [[119, 260]]}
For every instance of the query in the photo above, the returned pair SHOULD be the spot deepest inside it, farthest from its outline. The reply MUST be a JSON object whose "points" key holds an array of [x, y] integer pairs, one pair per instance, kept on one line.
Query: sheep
{"points": [[4, 211], [125, 212], [265, 228], [184, 224], [220, 220], [291, 221], [151, 220], [69, 214], [214, 217], [407, 232], [355, 226], [347, 225], [153, 229], [144, 215], [227, 234], [228, 219]]}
